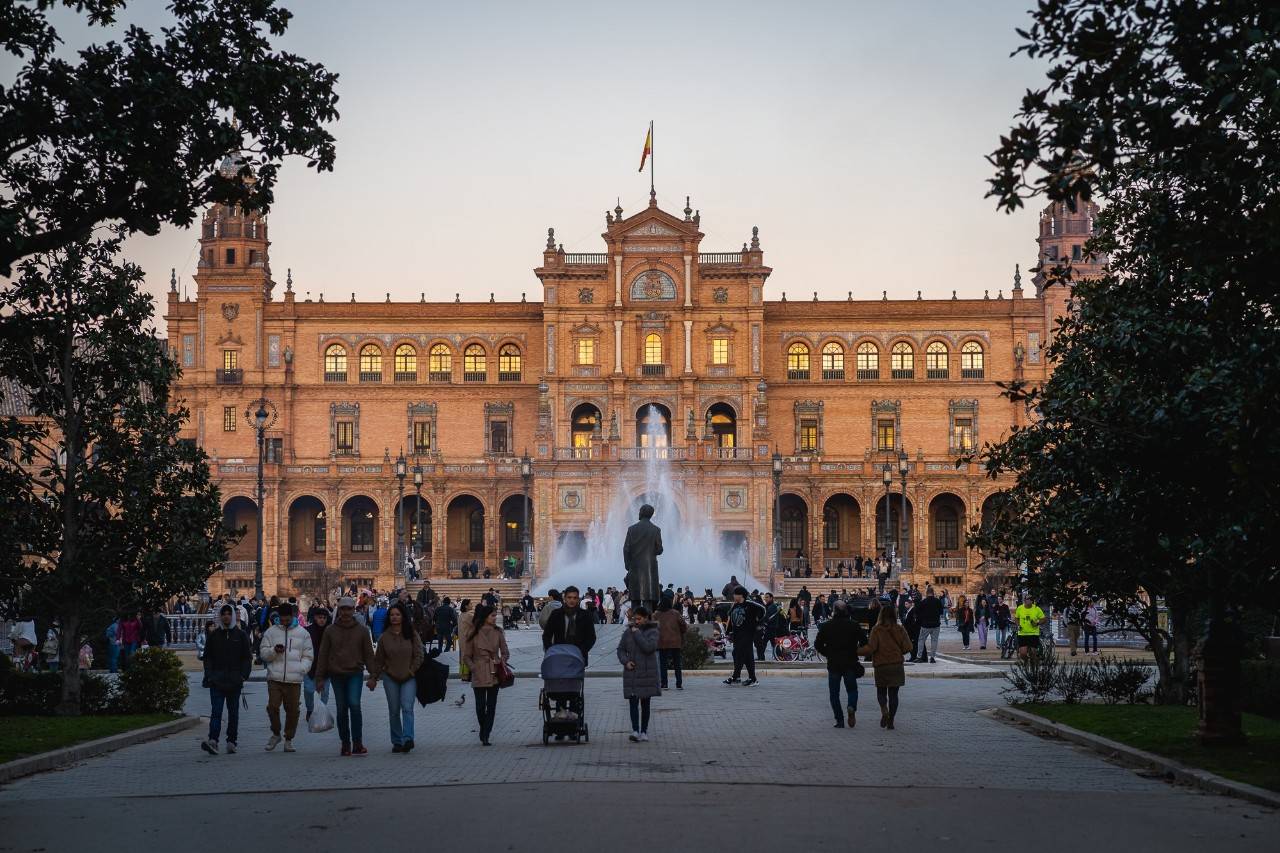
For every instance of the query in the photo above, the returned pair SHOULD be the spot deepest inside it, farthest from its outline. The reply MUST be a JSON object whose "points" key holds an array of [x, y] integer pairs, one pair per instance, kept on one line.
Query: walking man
{"points": [[228, 658], [929, 612], [744, 617], [288, 653], [838, 641]]}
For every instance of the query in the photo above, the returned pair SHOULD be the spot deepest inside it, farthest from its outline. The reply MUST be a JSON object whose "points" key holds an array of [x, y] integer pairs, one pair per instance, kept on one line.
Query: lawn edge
{"points": [[79, 751], [1135, 757]]}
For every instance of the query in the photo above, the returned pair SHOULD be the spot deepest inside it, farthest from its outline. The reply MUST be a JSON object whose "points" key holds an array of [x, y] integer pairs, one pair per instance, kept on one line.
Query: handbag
{"points": [[504, 674]]}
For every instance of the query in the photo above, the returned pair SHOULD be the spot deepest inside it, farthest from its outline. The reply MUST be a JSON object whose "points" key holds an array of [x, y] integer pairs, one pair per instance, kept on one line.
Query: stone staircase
{"points": [[458, 589]]}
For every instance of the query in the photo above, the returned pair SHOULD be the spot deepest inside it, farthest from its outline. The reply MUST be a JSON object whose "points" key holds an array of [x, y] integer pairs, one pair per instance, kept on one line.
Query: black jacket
{"points": [[582, 634], [228, 658], [744, 618], [929, 612], [838, 641]]}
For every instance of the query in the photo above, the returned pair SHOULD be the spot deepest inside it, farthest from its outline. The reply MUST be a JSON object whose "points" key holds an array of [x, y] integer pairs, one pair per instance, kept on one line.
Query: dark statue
{"points": [[640, 556]]}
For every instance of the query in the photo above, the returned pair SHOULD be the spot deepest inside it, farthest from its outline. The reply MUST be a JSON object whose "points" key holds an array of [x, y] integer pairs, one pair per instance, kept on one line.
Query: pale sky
{"points": [[851, 133]]}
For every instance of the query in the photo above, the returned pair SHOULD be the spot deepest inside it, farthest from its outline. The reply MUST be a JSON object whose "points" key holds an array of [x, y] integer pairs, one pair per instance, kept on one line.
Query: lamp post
{"points": [[903, 465], [402, 469], [526, 475], [260, 414], [887, 476], [417, 504], [777, 512]]}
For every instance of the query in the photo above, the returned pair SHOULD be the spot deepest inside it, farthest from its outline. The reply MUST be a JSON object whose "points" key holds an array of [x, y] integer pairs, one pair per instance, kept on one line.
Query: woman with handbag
{"points": [[886, 647], [486, 657], [964, 620], [396, 663]]}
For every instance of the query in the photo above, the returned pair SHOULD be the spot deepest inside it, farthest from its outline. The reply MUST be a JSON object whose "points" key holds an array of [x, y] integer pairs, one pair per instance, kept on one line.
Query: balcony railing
{"points": [[636, 453], [185, 627], [719, 257], [586, 258], [238, 568], [653, 370], [937, 373], [370, 376], [474, 376], [335, 376], [508, 376], [801, 375], [589, 452], [230, 376], [903, 373], [868, 375], [440, 376], [837, 373], [947, 563], [741, 454], [454, 568], [845, 567], [406, 376], [973, 373], [359, 567]]}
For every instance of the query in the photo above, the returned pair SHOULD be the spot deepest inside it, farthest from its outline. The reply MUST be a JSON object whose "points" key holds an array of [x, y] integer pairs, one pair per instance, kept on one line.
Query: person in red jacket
{"points": [[129, 637]]}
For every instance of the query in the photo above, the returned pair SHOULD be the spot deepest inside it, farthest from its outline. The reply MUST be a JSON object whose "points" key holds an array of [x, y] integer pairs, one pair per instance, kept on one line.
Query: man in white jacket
{"points": [[287, 652]]}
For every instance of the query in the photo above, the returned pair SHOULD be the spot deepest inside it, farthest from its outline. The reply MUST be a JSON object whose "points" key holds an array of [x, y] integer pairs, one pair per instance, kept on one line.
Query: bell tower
{"points": [[234, 245], [1064, 231]]}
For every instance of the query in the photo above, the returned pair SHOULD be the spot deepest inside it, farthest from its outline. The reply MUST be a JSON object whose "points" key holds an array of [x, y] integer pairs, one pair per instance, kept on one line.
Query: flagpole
{"points": [[652, 150]]}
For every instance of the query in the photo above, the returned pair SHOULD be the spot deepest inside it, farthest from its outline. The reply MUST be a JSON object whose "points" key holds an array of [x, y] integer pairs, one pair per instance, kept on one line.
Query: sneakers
{"points": [[288, 746], [634, 737], [852, 721], [231, 747], [408, 745], [750, 681], [210, 746], [346, 750], [732, 680], [397, 748], [839, 724], [644, 737], [272, 743], [359, 749]]}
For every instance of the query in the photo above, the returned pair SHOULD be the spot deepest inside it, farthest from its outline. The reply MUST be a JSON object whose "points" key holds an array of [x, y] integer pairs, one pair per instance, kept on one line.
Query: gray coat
{"points": [[640, 647], [640, 557]]}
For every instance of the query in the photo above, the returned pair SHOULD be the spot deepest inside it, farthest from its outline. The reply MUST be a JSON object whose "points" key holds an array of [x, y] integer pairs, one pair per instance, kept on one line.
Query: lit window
{"points": [[474, 363], [868, 361], [370, 363], [230, 359], [345, 436], [653, 348], [422, 437], [962, 434], [406, 363], [902, 361], [509, 363], [935, 360], [586, 351], [832, 358], [441, 358], [719, 350], [971, 361], [808, 436], [335, 363], [886, 434], [228, 418], [798, 361]]}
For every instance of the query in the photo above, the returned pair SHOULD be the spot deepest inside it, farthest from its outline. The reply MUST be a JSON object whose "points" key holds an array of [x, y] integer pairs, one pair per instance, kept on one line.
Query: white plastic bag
{"points": [[321, 718]]}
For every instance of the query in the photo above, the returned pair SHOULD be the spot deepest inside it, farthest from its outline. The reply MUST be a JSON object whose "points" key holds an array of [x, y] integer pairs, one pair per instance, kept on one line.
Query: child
{"points": [[638, 654]]}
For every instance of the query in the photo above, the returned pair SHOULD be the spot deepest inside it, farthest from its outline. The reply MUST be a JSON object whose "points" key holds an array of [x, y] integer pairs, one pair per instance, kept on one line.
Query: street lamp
{"points": [[903, 466], [262, 418], [777, 511], [417, 503], [887, 476], [526, 475], [402, 469]]}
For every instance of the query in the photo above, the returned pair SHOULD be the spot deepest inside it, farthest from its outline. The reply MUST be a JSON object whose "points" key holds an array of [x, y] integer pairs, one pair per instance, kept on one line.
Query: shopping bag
{"points": [[321, 719]]}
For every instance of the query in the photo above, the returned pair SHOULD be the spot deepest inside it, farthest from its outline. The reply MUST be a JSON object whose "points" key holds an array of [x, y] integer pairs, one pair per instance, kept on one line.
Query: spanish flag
{"points": [[648, 147]]}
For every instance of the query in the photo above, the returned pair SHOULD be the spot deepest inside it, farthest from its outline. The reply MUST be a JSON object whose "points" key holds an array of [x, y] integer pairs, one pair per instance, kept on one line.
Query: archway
{"points": [[995, 511], [722, 421], [308, 539], [360, 539], [241, 512], [585, 424], [898, 532], [841, 534], [793, 535], [653, 426], [948, 556], [465, 537], [416, 530], [511, 546]]}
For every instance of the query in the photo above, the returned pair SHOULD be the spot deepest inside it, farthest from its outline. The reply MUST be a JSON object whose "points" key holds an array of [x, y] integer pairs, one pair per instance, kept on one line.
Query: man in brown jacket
{"points": [[671, 631], [345, 651]]}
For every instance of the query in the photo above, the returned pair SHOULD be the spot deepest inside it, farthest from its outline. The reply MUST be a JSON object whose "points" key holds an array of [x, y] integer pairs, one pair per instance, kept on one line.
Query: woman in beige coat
{"points": [[486, 649], [886, 647]]}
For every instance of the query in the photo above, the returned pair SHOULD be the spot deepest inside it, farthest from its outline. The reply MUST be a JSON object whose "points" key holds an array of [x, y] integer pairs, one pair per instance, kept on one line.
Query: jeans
{"points": [[744, 655], [925, 635], [309, 693], [639, 714], [982, 633], [850, 679], [671, 658], [346, 699], [486, 709], [281, 692], [232, 700], [126, 654], [400, 698], [1002, 634], [1090, 632]]}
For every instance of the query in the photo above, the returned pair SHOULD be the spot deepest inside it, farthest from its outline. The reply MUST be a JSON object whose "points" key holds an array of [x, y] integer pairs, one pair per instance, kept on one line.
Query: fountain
{"points": [[692, 554]]}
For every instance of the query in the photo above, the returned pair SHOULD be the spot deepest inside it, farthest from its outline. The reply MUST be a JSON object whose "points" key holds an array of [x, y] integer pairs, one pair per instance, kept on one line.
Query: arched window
{"points": [[830, 529], [902, 361], [335, 363], [971, 361], [792, 529], [868, 360], [406, 363], [441, 363], [476, 530], [371, 363], [653, 348], [473, 363], [509, 363], [798, 361], [936, 360], [832, 361], [946, 529]]}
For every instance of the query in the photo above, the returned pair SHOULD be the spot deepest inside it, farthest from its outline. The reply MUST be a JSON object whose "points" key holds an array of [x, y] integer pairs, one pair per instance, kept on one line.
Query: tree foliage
{"points": [[130, 131], [102, 508], [1151, 466]]}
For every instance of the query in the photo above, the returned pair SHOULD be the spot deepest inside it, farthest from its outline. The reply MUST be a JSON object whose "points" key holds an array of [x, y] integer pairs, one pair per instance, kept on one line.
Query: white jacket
{"points": [[292, 664]]}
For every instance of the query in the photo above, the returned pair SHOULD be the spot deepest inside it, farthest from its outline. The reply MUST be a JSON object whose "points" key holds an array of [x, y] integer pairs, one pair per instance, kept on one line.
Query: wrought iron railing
{"points": [[937, 373], [973, 373], [508, 376], [371, 376], [586, 258], [335, 376], [868, 375], [653, 370], [837, 373], [230, 376], [589, 452], [802, 375], [474, 376], [440, 376], [406, 376]]}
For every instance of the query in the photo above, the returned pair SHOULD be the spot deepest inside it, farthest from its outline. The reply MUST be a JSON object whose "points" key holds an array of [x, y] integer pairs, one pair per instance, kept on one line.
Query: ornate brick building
{"points": [[649, 327]]}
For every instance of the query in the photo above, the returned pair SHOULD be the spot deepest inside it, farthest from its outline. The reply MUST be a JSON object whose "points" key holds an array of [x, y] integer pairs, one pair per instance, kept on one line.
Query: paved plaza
{"points": [[760, 761]]}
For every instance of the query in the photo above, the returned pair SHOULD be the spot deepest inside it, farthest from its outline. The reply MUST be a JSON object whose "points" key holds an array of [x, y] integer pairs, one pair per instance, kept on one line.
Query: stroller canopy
{"points": [[563, 661]]}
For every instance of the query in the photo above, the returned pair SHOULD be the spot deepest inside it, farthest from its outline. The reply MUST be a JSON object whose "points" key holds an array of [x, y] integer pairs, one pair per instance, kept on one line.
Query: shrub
{"points": [[153, 683], [1260, 687], [693, 652], [38, 693], [1074, 682], [1116, 680], [1033, 679]]}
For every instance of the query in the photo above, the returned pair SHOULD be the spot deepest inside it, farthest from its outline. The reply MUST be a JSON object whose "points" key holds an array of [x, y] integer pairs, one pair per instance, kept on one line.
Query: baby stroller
{"points": [[563, 673]]}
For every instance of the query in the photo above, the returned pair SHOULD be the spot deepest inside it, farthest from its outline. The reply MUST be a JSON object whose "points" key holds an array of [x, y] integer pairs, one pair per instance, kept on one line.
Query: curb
{"points": [[1167, 767], [80, 751]]}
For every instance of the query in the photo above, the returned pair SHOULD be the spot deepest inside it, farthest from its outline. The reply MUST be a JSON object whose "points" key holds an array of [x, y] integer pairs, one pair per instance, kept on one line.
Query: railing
{"points": [[453, 568], [370, 376], [406, 376], [640, 453], [973, 373], [798, 374], [586, 370], [719, 257], [352, 567], [833, 374], [937, 373], [936, 563], [229, 376], [589, 452], [832, 566], [306, 568], [474, 376], [335, 376], [867, 375], [903, 373], [508, 376], [185, 627], [440, 376], [735, 453], [238, 568], [653, 370], [586, 258]]}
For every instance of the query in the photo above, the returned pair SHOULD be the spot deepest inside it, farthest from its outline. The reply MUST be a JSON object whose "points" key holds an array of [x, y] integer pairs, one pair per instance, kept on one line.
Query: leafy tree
{"points": [[1153, 465], [130, 131], [102, 508]]}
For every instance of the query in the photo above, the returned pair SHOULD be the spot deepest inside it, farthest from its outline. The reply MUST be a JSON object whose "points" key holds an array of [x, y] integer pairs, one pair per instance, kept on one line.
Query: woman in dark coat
{"points": [[964, 620], [638, 654], [886, 647]]}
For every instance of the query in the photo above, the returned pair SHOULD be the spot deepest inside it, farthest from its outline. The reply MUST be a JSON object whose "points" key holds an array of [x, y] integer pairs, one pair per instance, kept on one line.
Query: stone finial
{"points": [[1000, 293], [688, 211], [744, 248], [457, 297], [697, 217], [551, 239], [388, 297], [815, 296], [850, 295], [617, 211], [755, 238], [884, 296], [353, 296], [1017, 279], [173, 280], [386, 454], [986, 294], [784, 296], [322, 296], [288, 280], [422, 297], [522, 297], [919, 296], [560, 248], [491, 296], [953, 295]]}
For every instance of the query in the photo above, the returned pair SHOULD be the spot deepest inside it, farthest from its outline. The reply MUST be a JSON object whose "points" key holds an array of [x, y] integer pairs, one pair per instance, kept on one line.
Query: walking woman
{"points": [[638, 654], [486, 648], [982, 620], [886, 647], [396, 664], [964, 620], [317, 621]]}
